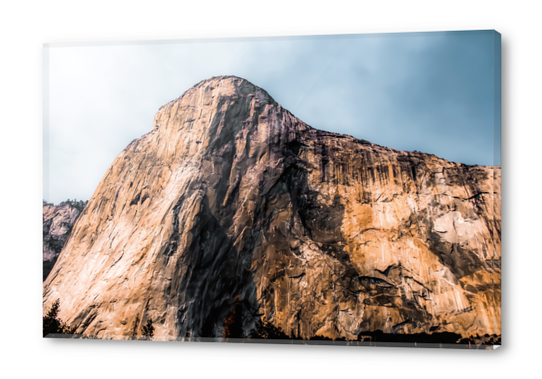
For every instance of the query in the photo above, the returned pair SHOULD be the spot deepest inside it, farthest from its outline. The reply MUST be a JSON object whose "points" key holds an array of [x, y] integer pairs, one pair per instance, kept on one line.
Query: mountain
{"points": [[58, 221], [320, 234]]}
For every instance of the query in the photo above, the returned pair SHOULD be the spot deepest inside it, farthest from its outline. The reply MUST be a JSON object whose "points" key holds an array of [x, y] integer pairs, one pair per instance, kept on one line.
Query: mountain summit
{"points": [[320, 234]]}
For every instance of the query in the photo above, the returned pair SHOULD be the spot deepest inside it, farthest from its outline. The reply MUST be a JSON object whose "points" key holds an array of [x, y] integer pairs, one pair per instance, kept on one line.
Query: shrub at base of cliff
{"points": [[54, 325], [482, 340], [380, 336], [432, 338], [322, 338], [233, 326], [147, 330], [267, 330]]}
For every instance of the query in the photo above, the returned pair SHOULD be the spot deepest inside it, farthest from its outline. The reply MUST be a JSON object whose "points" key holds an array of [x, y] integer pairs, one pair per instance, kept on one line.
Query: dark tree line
{"points": [[77, 204], [233, 326], [53, 324], [267, 330]]}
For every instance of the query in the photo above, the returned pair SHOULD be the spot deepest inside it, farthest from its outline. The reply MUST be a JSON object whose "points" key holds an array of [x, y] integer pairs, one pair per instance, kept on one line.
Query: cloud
{"points": [[431, 92]]}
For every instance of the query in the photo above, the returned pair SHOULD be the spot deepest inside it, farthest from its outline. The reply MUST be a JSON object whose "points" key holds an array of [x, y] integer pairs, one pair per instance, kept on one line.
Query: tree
{"points": [[77, 204], [148, 330], [267, 330], [233, 326], [53, 324]]}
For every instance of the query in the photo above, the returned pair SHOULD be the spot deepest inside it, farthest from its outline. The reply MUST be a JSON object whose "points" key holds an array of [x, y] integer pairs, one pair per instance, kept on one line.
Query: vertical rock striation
{"points": [[319, 233]]}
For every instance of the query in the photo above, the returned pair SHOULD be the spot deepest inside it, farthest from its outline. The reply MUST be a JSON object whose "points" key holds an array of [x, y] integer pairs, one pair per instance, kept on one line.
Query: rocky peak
{"points": [[219, 92], [231, 196], [58, 221]]}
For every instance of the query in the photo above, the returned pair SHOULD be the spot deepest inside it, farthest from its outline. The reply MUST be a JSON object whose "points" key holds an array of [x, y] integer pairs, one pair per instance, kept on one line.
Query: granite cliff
{"points": [[320, 234], [58, 221]]}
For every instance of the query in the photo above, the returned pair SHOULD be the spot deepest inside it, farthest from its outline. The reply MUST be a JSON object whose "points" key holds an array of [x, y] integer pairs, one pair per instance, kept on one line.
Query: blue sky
{"points": [[433, 92]]}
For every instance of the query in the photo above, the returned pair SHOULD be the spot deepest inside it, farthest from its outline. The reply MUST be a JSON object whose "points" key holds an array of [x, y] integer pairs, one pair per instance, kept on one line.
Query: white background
{"points": [[26, 25]]}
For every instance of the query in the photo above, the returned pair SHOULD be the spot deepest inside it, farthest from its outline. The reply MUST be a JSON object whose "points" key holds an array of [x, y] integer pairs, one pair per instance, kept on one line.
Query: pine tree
{"points": [[53, 324], [233, 326]]}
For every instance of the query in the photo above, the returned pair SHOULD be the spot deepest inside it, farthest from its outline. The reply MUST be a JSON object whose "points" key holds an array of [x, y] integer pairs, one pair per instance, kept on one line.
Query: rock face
{"points": [[58, 222], [319, 233]]}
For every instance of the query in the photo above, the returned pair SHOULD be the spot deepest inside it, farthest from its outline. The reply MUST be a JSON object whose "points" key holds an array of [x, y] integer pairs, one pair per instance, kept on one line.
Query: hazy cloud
{"points": [[431, 92]]}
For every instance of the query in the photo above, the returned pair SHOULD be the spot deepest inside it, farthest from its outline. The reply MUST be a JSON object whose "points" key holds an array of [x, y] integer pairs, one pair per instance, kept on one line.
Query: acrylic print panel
{"points": [[317, 190]]}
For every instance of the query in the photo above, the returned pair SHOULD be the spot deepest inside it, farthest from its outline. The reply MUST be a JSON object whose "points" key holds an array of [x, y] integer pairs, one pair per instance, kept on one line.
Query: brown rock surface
{"points": [[322, 234], [58, 221]]}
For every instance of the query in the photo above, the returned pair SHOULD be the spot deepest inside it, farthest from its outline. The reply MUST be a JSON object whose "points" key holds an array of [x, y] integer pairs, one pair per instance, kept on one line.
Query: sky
{"points": [[437, 93]]}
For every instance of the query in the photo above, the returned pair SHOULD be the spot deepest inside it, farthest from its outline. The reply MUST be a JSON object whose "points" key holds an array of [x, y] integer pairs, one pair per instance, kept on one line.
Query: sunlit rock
{"points": [[319, 233]]}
